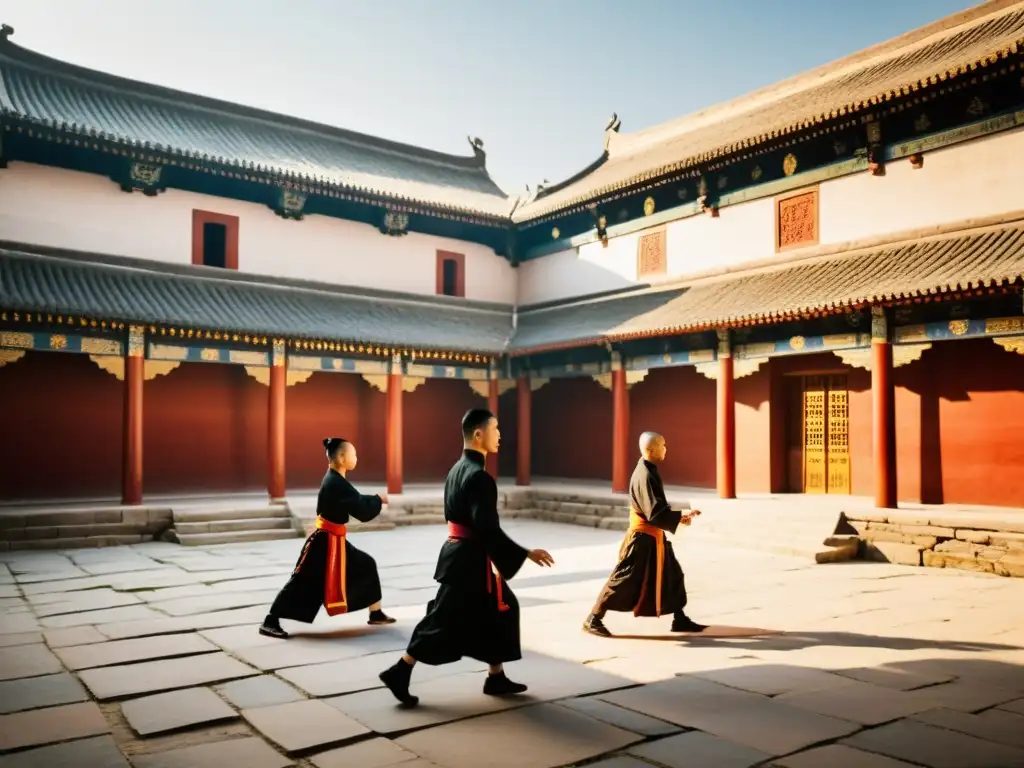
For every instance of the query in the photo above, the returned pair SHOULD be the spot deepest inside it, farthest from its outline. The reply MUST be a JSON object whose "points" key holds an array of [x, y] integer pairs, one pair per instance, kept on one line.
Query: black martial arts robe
{"points": [[633, 585], [302, 596], [474, 613]]}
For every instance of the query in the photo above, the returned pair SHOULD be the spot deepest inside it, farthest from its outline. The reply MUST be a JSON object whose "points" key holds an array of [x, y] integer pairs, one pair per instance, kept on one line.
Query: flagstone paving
{"points": [[148, 657]]}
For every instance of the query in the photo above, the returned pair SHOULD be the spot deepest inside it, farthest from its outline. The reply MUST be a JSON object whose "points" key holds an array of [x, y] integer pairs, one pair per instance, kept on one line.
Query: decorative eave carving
{"points": [[261, 374], [632, 377], [740, 368], [1011, 343], [394, 223], [902, 354], [291, 204], [379, 381], [114, 365], [145, 177]]}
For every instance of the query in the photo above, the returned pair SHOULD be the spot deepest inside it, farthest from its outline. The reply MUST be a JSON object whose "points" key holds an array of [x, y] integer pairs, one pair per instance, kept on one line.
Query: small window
{"points": [[215, 242], [449, 277], [451, 274]]}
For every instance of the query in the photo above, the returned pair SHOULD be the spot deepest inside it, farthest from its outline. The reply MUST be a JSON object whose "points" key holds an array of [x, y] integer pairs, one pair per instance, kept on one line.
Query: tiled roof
{"points": [[56, 94], [829, 279], [199, 297], [959, 43]]}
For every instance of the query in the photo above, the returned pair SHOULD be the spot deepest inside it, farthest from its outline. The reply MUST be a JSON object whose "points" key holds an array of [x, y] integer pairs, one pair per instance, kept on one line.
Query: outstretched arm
{"points": [[507, 556]]}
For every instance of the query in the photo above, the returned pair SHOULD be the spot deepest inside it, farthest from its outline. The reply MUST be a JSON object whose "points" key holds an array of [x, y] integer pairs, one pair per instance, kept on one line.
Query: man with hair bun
{"points": [[648, 579], [475, 613], [330, 571]]}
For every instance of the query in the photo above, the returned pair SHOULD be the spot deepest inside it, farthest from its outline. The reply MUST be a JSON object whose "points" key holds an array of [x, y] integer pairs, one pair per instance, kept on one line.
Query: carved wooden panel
{"points": [[651, 258], [838, 437], [815, 479], [796, 220]]}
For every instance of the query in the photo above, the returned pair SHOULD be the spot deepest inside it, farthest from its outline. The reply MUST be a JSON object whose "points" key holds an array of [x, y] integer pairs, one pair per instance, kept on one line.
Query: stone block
{"points": [[53, 519], [11, 521], [96, 529], [46, 726], [232, 753], [842, 554], [588, 521], [137, 516], [98, 752], [964, 561], [1011, 564], [159, 515], [42, 532], [107, 516], [302, 725], [975, 537], [178, 709], [614, 523], [899, 537], [1008, 540], [893, 552], [957, 546]]}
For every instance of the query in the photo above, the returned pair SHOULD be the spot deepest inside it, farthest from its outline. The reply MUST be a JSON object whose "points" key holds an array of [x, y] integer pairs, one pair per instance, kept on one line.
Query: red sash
{"points": [[335, 589], [460, 532], [639, 524]]}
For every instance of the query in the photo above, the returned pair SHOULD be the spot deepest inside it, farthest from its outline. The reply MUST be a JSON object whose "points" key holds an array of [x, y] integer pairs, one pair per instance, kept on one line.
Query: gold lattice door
{"points": [[826, 444]]}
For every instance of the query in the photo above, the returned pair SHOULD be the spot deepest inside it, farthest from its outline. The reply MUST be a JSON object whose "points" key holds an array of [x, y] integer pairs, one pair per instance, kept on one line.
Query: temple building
{"points": [[815, 288]]}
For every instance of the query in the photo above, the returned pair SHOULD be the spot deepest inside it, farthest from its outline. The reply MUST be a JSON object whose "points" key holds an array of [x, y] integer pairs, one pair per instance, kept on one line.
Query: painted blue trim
{"points": [[958, 329], [670, 359], [61, 342]]}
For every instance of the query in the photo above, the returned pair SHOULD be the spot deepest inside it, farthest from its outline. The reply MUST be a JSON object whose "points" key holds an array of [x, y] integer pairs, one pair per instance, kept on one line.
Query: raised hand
{"points": [[541, 558]]}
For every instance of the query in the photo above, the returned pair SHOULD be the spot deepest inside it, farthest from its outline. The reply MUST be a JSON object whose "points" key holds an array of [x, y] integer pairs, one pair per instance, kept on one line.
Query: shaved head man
{"points": [[648, 579]]}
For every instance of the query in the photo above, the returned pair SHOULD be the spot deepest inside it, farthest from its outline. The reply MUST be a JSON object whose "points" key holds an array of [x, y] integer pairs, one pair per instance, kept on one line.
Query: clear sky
{"points": [[535, 79]]}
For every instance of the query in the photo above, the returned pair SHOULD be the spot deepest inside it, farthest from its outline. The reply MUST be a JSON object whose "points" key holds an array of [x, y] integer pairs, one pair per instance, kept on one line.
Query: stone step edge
{"points": [[233, 526], [231, 537], [206, 515]]}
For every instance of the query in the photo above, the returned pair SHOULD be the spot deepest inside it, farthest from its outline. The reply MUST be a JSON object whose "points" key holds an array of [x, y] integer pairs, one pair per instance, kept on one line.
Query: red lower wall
{"points": [[959, 416], [61, 428], [571, 433]]}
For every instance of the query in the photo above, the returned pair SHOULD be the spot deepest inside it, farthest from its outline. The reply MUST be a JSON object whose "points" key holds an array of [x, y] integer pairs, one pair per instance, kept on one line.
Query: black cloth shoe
{"points": [[595, 626], [379, 617], [271, 627], [397, 678], [499, 685], [683, 623]]}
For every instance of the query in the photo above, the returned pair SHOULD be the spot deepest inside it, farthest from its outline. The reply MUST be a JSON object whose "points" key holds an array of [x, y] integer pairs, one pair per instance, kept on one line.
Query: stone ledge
{"points": [[986, 542]]}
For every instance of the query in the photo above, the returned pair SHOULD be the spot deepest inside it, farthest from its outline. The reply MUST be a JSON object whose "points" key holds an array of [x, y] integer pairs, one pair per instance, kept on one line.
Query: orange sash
{"points": [[459, 532], [638, 524], [335, 589]]}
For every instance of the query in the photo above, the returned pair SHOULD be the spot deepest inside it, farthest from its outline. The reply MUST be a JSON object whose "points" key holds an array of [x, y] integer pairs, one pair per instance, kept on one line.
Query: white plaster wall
{"points": [[980, 178], [67, 209]]}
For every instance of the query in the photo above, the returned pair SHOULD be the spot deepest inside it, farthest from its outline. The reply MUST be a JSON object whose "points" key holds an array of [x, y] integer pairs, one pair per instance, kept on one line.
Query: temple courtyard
{"points": [[148, 656]]}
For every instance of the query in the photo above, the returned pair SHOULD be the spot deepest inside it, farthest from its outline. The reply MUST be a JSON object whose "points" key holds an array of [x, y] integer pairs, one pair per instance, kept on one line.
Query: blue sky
{"points": [[535, 79]]}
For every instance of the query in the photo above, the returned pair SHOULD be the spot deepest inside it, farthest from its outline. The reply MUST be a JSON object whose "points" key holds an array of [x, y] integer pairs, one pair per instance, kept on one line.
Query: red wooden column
{"points": [[393, 426], [134, 374], [523, 393], [492, 406], [726, 425], [275, 422], [620, 426], [883, 411]]}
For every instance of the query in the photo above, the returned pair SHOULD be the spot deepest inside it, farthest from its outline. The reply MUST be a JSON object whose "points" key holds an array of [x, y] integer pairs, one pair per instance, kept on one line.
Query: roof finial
{"points": [[613, 123], [478, 147], [6, 31]]}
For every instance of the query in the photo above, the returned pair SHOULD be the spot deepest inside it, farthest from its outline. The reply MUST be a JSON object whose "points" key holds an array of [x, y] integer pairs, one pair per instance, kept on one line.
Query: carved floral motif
{"points": [[798, 220]]}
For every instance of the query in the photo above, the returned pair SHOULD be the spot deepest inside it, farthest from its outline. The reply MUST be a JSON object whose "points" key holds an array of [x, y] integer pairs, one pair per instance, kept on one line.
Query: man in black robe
{"points": [[648, 579], [330, 571], [474, 613]]}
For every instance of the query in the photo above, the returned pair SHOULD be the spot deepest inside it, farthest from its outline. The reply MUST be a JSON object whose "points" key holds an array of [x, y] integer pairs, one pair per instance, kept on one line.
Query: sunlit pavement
{"points": [[149, 656]]}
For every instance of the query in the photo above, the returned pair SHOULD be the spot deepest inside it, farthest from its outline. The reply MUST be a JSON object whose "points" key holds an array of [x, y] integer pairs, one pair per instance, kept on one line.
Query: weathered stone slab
{"points": [[969, 696], [174, 710], [129, 613], [77, 602], [1014, 706], [893, 552], [374, 753], [62, 638], [746, 718], [43, 691], [156, 676], [300, 651], [98, 752], [859, 702], [1010, 564], [771, 679], [262, 691], [234, 753], [895, 678], [497, 740], [838, 756], [360, 674], [19, 624], [46, 726], [20, 638], [138, 649], [27, 661], [121, 630], [188, 606], [619, 717], [992, 725], [920, 743], [619, 761], [699, 750], [303, 725]]}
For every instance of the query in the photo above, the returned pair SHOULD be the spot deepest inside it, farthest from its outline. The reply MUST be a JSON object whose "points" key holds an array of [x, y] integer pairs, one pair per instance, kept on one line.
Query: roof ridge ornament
{"points": [[478, 147], [613, 124], [6, 32]]}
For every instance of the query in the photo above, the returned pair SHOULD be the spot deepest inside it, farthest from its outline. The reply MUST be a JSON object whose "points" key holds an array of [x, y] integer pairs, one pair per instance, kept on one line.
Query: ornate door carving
{"points": [[826, 441], [815, 477]]}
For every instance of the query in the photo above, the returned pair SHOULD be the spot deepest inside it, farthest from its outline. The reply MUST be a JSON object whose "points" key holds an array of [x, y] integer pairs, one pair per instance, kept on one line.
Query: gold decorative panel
{"points": [[261, 374], [1011, 343], [838, 436], [16, 339], [10, 356], [815, 477], [94, 346], [380, 381], [796, 220], [481, 388], [115, 366], [651, 258]]}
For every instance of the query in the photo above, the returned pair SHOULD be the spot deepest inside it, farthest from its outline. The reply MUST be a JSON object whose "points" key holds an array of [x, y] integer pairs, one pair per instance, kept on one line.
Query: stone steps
{"points": [[99, 526], [202, 526]]}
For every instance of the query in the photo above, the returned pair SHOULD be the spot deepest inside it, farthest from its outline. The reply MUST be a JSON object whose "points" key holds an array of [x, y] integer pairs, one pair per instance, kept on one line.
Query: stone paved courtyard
{"points": [[149, 656]]}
